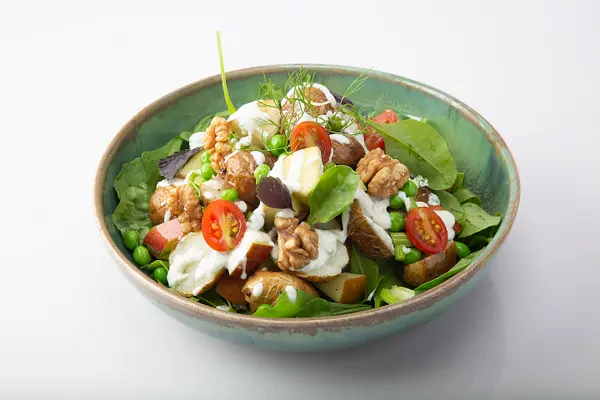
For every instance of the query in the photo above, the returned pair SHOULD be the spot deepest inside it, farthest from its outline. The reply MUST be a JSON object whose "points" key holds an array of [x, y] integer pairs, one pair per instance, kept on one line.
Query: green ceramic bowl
{"points": [[476, 146]]}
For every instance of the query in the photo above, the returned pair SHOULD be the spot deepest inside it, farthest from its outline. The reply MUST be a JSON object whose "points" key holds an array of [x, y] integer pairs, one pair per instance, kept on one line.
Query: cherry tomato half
{"points": [[308, 134], [437, 208], [457, 227], [372, 139], [426, 230], [223, 225]]}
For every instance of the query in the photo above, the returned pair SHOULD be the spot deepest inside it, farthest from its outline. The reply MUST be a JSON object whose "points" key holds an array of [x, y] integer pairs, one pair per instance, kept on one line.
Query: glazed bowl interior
{"points": [[477, 148]]}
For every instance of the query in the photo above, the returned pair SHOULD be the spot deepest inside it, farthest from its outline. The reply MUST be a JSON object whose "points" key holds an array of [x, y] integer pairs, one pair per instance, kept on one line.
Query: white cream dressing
{"points": [[420, 181], [433, 200], [336, 137], [171, 182], [259, 157], [291, 294], [370, 296], [250, 118], [376, 209], [167, 216], [405, 249], [222, 308], [212, 188], [257, 219], [244, 142], [258, 289], [285, 213], [328, 246], [361, 139], [449, 222], [197, 140], [405, 199], [242, 205], [422, 204], [292, 181]]}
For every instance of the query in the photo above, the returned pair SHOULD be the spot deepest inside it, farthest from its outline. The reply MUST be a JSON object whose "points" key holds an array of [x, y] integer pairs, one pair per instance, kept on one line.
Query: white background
{"points": [[72, 73]]}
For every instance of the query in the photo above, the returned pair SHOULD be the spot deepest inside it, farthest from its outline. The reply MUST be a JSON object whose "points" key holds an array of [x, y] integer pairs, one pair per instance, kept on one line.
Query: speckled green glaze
{"points": [[478, 149]]}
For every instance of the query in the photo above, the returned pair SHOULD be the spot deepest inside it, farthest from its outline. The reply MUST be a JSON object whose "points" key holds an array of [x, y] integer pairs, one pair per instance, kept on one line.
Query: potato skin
{"points": [[274, 284], [364, 236], [239, 175], [347, 154], [430, 267]]}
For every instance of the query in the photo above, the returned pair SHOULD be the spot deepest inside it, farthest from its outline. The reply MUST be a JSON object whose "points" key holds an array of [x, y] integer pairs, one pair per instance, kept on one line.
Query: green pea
{"points": [[397, 222], [141, 256], [160, 275], [229, 194], [207, 172], [335, 124], [260, 172], [277, 144], [413, 256], [131, 239], [410, 188], [205, 157], [462, 250], [328, 165], [396, 202]]}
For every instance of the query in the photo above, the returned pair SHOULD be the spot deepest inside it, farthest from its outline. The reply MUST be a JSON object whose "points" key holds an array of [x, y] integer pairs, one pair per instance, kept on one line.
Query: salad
{"points": [[301, 204]]}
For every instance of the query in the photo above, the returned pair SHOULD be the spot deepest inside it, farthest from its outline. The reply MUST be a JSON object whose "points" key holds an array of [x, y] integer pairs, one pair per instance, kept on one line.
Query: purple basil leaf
{"points": [[273, 193], [170, 166]]}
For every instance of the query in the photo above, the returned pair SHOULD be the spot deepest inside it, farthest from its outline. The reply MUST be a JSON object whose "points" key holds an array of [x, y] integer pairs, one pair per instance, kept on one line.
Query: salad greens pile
{"points": [[359, 247]]}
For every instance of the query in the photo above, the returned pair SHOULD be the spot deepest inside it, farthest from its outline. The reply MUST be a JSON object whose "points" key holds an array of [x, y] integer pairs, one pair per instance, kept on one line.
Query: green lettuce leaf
{"points": [[387, 269], [421, 148], [460, 266], [134, 186]]}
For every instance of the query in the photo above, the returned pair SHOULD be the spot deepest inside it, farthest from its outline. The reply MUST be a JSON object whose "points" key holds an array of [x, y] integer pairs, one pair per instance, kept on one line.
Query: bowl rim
{"points": [[307, 325]]}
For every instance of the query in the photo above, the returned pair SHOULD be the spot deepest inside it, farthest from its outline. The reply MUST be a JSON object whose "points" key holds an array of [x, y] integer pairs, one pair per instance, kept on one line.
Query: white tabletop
{"points": [[71, 74]]}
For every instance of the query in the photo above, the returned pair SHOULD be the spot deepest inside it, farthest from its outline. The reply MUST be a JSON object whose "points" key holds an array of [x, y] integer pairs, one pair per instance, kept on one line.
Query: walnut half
{"points": [[216, 142], [178, 202], [298, 243], [384, 175]]}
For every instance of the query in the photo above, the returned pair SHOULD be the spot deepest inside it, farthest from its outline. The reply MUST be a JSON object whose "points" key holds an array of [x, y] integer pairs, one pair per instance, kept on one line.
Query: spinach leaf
{"points": [[466, 196], [361, 265], [315, 308], [334, 192], [451, 204], [477, 242], [460, 265], [458, 183], [144, 169], [133, 211], [476, 220], [284, 308], [388, 271], [421, 148], [212, 298]]}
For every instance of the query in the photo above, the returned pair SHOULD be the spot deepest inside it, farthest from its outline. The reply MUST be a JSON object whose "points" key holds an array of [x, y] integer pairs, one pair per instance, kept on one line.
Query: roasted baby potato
{"points": [[347, 153], [239, 175], [264, 287], [430, 267], [368, 236]]}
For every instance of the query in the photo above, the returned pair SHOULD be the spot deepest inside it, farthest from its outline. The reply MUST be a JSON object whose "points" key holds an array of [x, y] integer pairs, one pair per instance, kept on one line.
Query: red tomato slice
{"points": [[436, 208], [372, 139], [308, 134], [426, 230], [223, 225], [386, 117]]}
